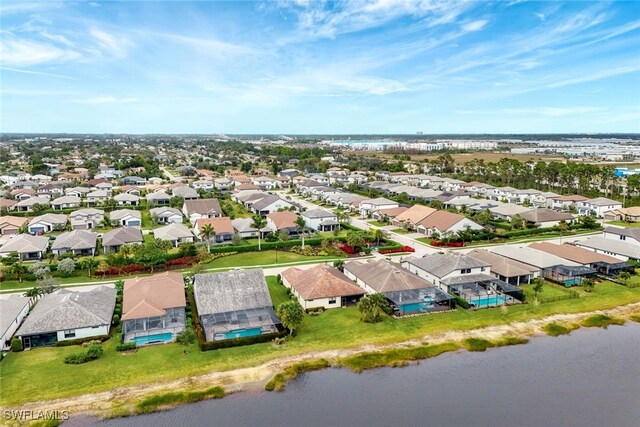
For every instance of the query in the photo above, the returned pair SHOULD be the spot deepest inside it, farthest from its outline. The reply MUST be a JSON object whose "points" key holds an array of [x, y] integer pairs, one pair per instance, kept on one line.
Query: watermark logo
{"points": [[35, 415]]}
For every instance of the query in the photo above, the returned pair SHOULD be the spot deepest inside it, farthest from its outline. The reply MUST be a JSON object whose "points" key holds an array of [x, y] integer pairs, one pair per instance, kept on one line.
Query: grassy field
{"points": [[261, 258], [378, 223], [549, 290], [27, 376], [400, 231]]}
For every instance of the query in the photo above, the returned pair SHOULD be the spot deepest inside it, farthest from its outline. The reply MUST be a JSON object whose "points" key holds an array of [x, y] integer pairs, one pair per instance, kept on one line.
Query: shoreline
{"points": [[121, 402]]}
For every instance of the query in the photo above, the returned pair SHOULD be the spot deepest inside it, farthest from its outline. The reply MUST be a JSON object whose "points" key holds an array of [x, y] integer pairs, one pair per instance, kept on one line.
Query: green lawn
{"points": [[624, 224], [261, 258], [400, 231], [40, 374], [548, 291], [378, 223], [239, 211], [278, 292], [147, 222]]}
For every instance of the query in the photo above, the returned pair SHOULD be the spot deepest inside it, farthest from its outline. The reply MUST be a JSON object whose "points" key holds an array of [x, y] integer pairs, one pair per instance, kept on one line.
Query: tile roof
{"points": [[25, 243], [203, 206], [441, 220], [284, 219], [75, 240], [442, 264], [231, 291], [574, 253], [122, 235], [501, 265], [321, 281], [10, 308], [545, 215], [221, 225], [415, 214], [151, 296]]}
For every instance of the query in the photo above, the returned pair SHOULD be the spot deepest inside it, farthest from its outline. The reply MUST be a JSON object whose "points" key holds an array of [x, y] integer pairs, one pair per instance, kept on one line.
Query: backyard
{"points": [[26, 376]]}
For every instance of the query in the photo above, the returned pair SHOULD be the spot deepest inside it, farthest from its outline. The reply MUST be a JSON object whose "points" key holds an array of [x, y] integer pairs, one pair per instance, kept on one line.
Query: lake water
{"points": [[589, 378]]}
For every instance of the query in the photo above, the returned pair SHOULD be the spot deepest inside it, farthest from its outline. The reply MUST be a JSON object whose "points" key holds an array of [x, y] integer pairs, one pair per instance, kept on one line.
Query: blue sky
{"points": [[379, 66]]}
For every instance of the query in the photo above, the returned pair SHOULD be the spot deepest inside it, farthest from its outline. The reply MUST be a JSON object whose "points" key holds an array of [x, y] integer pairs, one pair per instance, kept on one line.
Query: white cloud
{"points": [[474, 25], [115, 46], [38, 73], [17, 52], [97, 100]]}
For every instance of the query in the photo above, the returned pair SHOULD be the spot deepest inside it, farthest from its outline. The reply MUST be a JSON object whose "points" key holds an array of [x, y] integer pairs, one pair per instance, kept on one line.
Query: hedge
{"points": [[126, 346], [80, 341], [460, 302], [236, 342]]}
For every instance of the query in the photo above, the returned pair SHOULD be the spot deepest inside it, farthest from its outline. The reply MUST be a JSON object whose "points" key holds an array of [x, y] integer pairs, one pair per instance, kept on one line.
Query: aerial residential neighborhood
{"points": [[208, 203]]}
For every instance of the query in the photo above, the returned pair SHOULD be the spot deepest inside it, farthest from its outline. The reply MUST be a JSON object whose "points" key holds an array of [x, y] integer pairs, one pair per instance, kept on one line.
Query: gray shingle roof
{"points": [[123, 213], [121, 236], [202, 206], [10, 308], [231, 291], [25, 243], [75, 240], [442, 264], [173, 231], [66, 309], [318, 213], [385, 276], [264, 202]]}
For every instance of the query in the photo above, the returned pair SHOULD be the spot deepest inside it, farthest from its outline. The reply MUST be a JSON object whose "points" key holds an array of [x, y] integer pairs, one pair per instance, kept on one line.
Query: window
{"points": [[332, 300], [465, 271], [70, 333], [623, 237], [482, 268]]}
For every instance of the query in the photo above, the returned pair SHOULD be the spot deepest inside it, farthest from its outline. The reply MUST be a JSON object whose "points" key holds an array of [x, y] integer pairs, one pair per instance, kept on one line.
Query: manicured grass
{"points": [[147, 222], [549, 290], [624, 224], [278, 292], [238, 211], [27, 376], [378, 223], [400, 231], [261, 258]]}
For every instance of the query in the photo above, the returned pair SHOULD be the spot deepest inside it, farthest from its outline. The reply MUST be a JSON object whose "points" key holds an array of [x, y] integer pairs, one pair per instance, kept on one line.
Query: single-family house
{"points": [[133, 180], [126, 218], [13, 309], [320, 219], [617, 248], [46, 223], [283, 222], [543, 217], [407, 292], [630, 214], [201, 208], [221, 225], [598, 206], [126, 199], [506, 269], [27, 205], [78, 191], [444, 223], [604, 264], [234, 304], [68, 315], [269, 204], [166, 215], [551, 267], [369, 206], [11, 224], [86, 219], [6, 204], [412, 216], [203, 184], [628, 235], [321, 286], [158, 198], [187, 193], [565, 203], [78, 242], [114, 239], [245, 229], [27, 247], [97, 197], [175, 233], [66, 202], [153, 309]]}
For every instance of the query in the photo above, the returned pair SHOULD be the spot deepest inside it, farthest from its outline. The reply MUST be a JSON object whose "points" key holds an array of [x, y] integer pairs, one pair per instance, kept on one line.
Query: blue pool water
{"points": [[242, 333], [572, 282], [156, 338], [416, 307], [488, 302]]}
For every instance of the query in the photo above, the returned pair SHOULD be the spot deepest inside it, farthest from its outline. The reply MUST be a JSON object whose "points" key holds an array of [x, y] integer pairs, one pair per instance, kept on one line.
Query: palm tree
{"points": [[378, 234], [259, 223], [18, 269], [165, 245], [301, 227], [89, 264], [207, 234]]}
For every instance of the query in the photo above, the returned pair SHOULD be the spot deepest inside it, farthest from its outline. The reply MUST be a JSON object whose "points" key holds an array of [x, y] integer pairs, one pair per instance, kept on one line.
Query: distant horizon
{"points": [[381, 67]]}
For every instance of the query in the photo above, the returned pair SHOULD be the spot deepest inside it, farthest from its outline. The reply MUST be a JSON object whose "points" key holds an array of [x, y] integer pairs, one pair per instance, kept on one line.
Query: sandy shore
{"points": [[122, 399]]}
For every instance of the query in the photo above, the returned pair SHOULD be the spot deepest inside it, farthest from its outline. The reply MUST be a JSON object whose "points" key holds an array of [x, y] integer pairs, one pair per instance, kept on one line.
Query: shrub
{"points": [[554, 329], [93, 352], [396, 250], [80, 341], [601, 321], [461, 302], [477, 344], [16, 345], [126, 346]]}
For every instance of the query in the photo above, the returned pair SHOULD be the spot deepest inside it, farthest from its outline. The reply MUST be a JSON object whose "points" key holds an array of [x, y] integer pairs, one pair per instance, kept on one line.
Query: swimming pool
{"points": [[154, 339], [417, 307], [488, 302], [242, 333]]}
